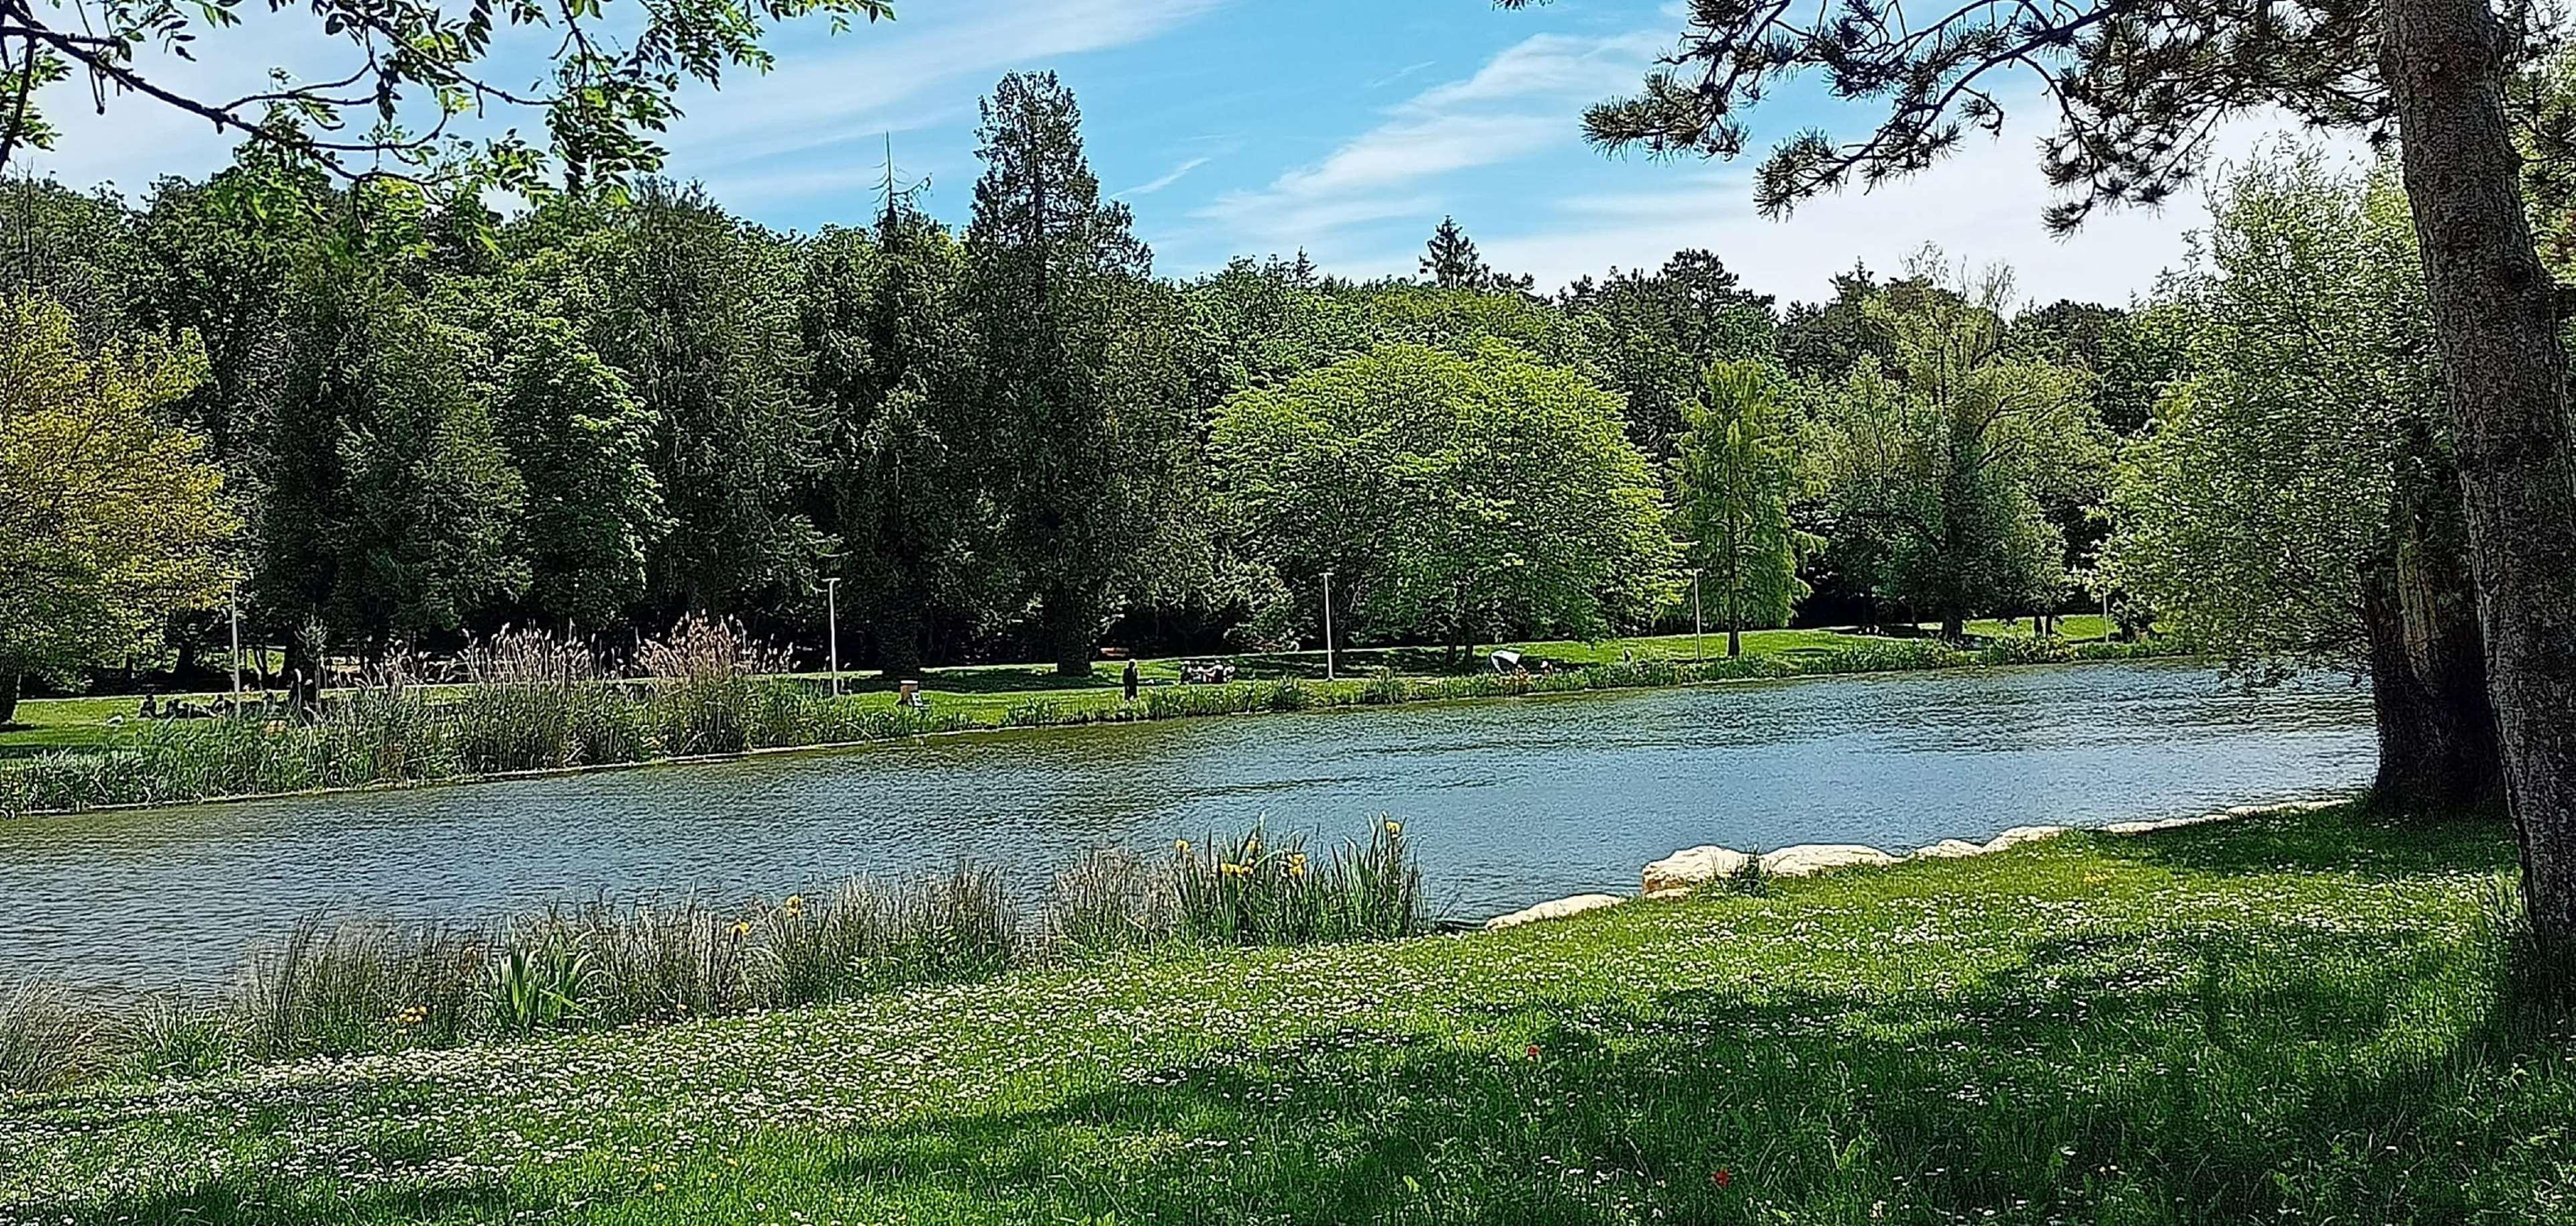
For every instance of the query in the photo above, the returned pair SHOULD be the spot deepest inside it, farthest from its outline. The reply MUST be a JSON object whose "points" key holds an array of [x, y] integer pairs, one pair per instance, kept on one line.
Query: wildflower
{"points": [[1296, 864], [1181, 845], [1395, 827], [795, 904], [1232, 869], [1533, 1051], [1721, 1177], [742, 927]]}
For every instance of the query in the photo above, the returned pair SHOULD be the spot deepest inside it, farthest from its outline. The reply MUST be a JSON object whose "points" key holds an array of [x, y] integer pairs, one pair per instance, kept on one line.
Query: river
{"points": [[1508, 803]]}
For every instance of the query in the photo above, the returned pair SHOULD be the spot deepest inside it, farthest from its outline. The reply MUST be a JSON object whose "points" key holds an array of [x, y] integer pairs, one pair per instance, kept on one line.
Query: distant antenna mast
{"points": [[897, 194]]}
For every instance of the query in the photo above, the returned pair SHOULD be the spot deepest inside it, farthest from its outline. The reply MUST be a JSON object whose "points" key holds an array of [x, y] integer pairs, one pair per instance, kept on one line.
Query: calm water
{"points": [[1509, 803]]}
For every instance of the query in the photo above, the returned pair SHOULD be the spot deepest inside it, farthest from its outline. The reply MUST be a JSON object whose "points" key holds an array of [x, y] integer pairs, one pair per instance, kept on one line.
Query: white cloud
{"points": [[1982, 205]]}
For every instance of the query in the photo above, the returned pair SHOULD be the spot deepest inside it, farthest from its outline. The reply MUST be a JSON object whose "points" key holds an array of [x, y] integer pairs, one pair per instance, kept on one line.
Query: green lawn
{"points": [[2286, 1019], [986, 692]]}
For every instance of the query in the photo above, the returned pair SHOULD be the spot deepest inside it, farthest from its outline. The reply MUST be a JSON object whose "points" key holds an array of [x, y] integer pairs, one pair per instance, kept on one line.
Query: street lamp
{"points": [[233, 600], [1328, 625], [832, 624]]}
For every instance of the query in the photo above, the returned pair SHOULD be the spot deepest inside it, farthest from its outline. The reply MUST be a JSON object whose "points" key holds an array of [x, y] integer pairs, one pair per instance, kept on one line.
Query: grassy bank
{"points": [[2284, 1019], [545, 708]]}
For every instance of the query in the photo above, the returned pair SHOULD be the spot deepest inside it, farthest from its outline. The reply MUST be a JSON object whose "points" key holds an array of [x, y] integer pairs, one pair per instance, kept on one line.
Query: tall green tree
{"points": [[696, 308], [1451, 496], [111, 516], [905, 491], [2295, 504], [1450, 261], [580, 443], [387, 503], [1732, 481], [1079, 367]]}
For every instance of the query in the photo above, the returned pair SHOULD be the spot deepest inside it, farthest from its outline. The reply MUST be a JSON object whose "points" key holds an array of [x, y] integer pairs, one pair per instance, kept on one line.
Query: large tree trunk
{"points": [[8, 697], [2437, 741], [899, 639], [2495, 318], [1072, 636]]}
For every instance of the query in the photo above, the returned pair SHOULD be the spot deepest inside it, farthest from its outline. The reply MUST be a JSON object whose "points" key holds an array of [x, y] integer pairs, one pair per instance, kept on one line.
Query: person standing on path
{"points": [[1130, 680]]}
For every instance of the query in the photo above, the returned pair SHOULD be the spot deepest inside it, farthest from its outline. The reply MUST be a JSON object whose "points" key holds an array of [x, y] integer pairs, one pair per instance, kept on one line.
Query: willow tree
{"points": [[2138, 87], [1731, 488]]}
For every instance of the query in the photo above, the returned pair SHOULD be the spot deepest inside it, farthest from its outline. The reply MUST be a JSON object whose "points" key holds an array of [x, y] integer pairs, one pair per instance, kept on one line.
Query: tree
{"points": [[1449, 261], [579, 442], [697, 309], [1732, 482], [387, 504], [905, 491], [1450, 495], [2139, 88], [111, 518], [1087, 366], [1935, 480], [411, 70], [2295, 504], [1655, 334]]}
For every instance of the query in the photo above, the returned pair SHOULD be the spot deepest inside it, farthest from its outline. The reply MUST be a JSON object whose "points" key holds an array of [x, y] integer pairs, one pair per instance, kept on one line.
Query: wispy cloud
{"points": [[1401, 73], [1518, 103], [1164, 180], [902, 76]]}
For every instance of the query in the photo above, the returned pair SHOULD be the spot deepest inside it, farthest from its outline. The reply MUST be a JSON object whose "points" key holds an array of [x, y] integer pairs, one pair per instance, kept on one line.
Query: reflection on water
{"points": [[1509, 802]]}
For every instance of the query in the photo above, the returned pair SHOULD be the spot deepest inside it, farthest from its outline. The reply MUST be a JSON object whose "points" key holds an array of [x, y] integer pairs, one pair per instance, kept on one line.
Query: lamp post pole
{"points": [[1328, 625], [233, 600], [832, 624]]}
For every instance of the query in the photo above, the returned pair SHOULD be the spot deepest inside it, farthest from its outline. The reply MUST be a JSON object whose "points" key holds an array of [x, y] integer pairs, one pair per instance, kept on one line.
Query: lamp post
{"points": [[233, 600], [1328, 625], [832, 627]]}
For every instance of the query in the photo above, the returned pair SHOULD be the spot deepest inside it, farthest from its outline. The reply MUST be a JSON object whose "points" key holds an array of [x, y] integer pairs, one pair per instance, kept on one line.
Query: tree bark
{"points": [[8, 698], [2495, 321]]}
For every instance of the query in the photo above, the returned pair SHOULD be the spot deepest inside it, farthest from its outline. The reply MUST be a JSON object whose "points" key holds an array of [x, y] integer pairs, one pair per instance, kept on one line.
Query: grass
{"points": [[538, 705], [2287, 1019]]}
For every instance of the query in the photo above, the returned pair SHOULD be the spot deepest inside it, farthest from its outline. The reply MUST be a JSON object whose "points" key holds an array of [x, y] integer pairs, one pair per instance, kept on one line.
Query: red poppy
{"points": [[1721, 1177], [1533, 1051]]}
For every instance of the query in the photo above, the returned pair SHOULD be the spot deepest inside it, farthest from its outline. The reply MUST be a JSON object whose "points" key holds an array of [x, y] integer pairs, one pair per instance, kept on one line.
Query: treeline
{"points": [[400, 422]]}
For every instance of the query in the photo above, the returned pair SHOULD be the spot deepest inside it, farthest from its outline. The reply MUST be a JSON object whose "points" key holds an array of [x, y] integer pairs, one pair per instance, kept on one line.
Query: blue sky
{"points": [[1346, 128]]}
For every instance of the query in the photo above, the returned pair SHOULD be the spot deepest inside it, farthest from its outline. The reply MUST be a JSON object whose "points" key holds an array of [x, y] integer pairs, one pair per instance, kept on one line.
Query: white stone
{"points": [[1949, 849], [2161, 823], [1807, 859], [2019, 835], [1692, 867], [1554, 909]]}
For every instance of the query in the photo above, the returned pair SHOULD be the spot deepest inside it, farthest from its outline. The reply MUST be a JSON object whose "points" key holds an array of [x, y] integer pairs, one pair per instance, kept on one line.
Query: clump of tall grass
{"points": [[354, 988], [42, 1044], [708, 697], [337, 990], [533, 701], [1249, 891]]}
